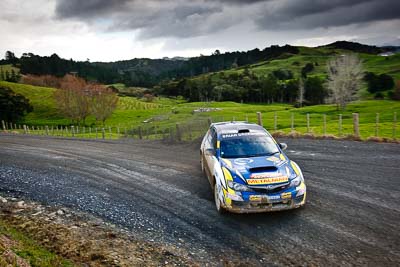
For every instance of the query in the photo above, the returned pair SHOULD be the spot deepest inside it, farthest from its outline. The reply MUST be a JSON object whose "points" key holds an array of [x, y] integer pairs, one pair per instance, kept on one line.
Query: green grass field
{"points": [[165, 113]]}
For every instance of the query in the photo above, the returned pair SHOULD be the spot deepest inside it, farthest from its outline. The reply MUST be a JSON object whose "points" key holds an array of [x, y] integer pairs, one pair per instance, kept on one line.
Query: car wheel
{"points": [[218, 205]]}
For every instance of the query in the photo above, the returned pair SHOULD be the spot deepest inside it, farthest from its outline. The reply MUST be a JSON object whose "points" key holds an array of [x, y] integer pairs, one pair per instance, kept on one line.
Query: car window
{"points": [[247, 145], [214, 140]]}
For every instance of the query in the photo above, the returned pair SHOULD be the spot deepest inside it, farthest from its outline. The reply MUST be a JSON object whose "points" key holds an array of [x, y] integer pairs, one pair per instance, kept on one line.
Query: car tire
{"points": [[218, 205]]}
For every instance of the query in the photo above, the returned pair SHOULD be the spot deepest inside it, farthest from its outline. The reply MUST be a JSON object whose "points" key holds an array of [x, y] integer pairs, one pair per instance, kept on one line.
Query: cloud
{"points": [[113, 30], [183, 19], [309, 14]]}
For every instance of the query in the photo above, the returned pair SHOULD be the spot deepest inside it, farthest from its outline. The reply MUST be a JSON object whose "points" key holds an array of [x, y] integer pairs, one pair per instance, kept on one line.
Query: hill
{"points": [[145, 72]]}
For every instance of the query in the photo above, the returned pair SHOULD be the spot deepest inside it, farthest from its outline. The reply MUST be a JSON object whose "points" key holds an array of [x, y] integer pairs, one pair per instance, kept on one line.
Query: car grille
{"points": [[274, 190]]}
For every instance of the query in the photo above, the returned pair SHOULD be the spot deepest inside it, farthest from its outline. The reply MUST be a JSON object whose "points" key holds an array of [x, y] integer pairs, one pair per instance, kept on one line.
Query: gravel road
{"points": [[156, 190]]}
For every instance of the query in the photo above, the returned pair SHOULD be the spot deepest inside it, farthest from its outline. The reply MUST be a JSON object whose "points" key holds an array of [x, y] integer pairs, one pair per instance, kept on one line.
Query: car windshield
{"points": [[247, 145]]}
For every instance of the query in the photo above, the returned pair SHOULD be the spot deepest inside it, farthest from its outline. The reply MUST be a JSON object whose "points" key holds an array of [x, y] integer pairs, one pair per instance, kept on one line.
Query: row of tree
{"points": [[279, 86], [9, 76], [142, 71]]}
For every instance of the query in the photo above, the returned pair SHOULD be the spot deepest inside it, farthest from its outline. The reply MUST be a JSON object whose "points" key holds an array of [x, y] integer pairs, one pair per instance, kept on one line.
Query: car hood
{"points": [[261, 170]]}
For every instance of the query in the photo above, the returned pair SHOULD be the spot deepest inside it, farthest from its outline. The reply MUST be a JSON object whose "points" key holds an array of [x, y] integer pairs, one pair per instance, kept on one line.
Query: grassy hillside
{"points": [[319, 56], [7, 68], [164, 113]]}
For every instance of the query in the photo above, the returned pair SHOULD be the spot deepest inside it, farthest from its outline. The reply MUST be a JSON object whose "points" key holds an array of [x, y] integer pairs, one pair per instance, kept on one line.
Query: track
{"points": [[157, 191]]}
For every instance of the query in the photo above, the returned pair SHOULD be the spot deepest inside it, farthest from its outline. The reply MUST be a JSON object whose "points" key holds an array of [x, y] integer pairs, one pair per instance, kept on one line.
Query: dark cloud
{"points": [[88, 8], [310, 14], [181, 18]]}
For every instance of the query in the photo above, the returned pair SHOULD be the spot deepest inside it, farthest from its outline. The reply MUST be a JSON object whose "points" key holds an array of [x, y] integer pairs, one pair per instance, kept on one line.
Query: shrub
{"points": [[13, 106]]}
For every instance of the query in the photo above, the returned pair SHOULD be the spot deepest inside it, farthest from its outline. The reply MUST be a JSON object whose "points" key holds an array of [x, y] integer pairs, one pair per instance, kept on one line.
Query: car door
{"points": [[210, 145]]}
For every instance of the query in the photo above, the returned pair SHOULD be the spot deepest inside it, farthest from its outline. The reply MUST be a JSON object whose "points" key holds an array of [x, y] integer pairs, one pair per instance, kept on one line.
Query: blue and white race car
{"points": [[248, 170]]}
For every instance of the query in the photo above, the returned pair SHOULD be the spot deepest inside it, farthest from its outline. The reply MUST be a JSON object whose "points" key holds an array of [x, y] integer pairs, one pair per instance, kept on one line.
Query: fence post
{"points": [[103, 133], [324, 125], [377, 125], [275, 121], [355, 125], [11, 126], [292, 122], [190, 132], [25, 131], [47, 130], [259, 119], [171, 134], [340, 125], [394, 125], [4, 125], [178, 132], [73, 131], [308, 123], [140, 132]]}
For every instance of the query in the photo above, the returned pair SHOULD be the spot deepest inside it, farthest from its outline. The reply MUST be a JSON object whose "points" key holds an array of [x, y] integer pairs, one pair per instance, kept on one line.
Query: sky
{"points": [[110, 30]]}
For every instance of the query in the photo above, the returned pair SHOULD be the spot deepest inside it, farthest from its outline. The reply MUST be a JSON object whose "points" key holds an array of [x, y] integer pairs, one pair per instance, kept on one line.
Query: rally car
{"points": [[248, 170]]}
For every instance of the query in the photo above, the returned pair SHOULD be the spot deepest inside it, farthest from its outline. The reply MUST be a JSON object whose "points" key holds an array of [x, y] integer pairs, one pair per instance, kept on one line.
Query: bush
{"points": [[13, 106], [379, 96], [378, 83]]}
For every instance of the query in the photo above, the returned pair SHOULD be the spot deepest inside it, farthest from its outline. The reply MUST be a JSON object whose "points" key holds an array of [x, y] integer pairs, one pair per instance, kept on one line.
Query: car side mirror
{"points": [[209, 152], [283, 146]]}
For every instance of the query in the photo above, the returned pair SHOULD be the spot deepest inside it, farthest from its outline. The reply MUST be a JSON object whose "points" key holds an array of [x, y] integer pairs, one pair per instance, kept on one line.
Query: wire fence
{"points": [[361, 127]]}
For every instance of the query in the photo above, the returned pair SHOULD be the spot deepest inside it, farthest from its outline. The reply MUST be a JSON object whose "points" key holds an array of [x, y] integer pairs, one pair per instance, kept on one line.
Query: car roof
{"points": [[235, 127]]}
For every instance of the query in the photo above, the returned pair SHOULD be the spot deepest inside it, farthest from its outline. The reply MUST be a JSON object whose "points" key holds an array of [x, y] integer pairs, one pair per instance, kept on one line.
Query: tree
{"points": [[378, 83], [291, 91], [309, 67], [10, 57], [104, 102], [314, 91], [73, 98], [12, 106], [345, 76], [396, 93]]}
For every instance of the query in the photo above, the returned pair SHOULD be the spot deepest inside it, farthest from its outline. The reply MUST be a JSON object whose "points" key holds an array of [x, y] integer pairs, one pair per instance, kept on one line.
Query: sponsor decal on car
{"points": [[243, 161], [241, 134], [286, 195], [271, 180], [265, 175]]}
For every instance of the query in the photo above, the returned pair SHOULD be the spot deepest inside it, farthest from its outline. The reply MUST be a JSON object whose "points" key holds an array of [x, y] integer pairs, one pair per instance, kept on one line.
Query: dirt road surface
{"points": [[157, 191]]}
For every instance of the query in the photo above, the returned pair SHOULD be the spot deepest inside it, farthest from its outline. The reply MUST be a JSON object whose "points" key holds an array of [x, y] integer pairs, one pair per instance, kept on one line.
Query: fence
{"points": [[340, 125]]}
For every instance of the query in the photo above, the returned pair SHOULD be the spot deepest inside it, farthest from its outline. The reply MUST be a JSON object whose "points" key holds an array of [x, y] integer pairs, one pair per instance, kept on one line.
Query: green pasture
{"points": [[164, 113]]}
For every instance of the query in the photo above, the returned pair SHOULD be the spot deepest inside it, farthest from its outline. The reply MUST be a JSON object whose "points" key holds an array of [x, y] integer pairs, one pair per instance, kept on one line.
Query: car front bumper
{"points": [[254, 203]]}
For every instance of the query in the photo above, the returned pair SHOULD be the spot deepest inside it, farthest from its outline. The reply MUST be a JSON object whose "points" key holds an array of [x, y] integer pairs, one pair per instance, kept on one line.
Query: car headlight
{"points": [[238, 187], [296, 181]]}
